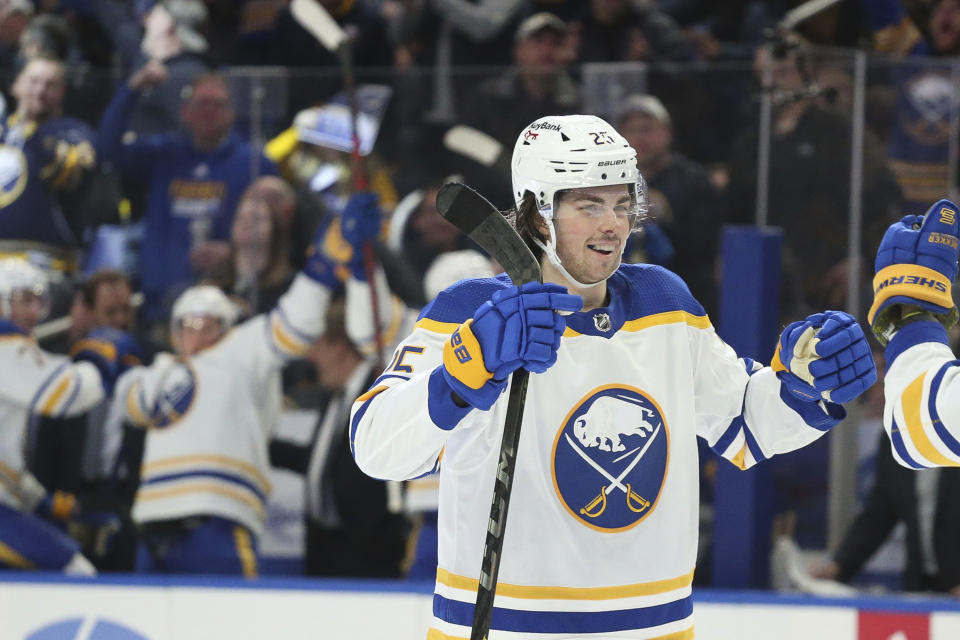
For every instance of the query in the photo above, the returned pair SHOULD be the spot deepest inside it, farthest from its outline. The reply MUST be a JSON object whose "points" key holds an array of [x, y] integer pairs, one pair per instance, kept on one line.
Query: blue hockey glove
{"points": [[327, 255], [111, 351], [360, 223], [916, 265], [825, 357], [656, 244], [517, 327]]}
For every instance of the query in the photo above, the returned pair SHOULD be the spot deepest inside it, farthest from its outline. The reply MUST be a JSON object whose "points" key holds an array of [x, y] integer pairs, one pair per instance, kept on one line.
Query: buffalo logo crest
{"points": [[610, 458]]}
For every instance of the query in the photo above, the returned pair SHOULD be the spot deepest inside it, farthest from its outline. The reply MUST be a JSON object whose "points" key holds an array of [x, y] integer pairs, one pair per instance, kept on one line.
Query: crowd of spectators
{"points": [[150, 122]]}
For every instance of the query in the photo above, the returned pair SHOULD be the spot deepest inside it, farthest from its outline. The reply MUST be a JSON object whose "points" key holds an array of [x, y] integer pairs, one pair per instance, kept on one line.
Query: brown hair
{"points": [[88, 290], [527, 221]]}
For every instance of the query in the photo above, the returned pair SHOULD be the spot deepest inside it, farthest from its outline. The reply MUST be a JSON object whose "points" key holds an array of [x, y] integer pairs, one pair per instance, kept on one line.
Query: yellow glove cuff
{"points": [[463, 358], [911, 281], [62, 505]]}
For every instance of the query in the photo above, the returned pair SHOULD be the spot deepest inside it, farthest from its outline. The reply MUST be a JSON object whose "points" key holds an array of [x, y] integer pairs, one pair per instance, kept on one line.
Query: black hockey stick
{"points": [[475, 216]]}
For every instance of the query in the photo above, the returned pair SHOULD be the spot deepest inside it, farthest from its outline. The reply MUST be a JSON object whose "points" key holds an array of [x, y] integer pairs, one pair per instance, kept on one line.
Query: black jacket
{"points": [[893, 499]]}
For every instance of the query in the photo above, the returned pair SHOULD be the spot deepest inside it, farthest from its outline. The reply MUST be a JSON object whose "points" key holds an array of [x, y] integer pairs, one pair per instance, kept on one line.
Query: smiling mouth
{"points": [[603, 248]]}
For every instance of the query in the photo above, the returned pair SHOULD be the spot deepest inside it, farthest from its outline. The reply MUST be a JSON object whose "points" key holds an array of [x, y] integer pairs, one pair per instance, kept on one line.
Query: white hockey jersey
{"points": [[210, 416], [922, 397], [602, 534], [35, 382]]}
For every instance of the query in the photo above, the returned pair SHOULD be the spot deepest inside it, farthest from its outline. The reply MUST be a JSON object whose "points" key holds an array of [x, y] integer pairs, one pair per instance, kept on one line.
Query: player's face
{"points": [[112, 306], [27, 309], [39, 89], [592, 225], [197, 333]]}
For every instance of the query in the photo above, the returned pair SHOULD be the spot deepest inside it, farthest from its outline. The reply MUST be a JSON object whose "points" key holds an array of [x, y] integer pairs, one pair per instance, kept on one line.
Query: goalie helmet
{"points": [[559, 153], [203, 300], [18, 275]]}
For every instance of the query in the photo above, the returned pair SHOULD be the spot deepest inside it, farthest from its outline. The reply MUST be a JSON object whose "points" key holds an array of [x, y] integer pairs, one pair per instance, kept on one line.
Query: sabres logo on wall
{"points": [[610, 458], [178, 389]]}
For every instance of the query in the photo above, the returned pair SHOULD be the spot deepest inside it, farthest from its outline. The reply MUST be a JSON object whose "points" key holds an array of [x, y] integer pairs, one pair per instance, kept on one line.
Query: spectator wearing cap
{"points": [[535, 86], [171, 35], [681, 193], [616, 30]]}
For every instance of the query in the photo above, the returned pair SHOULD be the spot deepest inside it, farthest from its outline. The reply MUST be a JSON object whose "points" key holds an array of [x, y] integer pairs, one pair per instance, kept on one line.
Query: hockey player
{"points": [[912, 309], [35, 382], [211, 408], [627, 371]]}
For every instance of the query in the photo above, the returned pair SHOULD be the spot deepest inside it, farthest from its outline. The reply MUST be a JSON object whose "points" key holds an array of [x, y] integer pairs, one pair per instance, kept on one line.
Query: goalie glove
{"points": [[825, 357], [915, 267]]}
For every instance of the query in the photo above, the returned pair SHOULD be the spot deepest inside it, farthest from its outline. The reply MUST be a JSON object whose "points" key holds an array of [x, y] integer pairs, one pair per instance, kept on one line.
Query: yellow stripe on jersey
{"points": [[286, 340], [12, 558], [133, 406], [53, 400], [436, 634], [437, 327], [667, 317], [9, 474], [369, 394], [570, 593], [154, 493], [686, 634], [193, 461], [740, 460], [912, 402], [248, 560]]}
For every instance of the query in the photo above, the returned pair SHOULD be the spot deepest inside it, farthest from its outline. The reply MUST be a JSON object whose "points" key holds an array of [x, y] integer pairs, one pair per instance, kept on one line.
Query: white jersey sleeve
{"points": [[766, 419], [922, 397], [45, 383], [391, 310]]}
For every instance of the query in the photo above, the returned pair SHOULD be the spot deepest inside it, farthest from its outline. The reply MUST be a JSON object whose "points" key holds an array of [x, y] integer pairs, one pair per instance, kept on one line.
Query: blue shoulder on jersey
{"points": [[459, 301], [7, 328], [653, 289]]}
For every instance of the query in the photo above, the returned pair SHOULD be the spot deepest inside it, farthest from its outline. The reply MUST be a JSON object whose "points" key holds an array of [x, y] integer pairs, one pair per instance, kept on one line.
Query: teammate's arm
{"points": [[912, 309]]}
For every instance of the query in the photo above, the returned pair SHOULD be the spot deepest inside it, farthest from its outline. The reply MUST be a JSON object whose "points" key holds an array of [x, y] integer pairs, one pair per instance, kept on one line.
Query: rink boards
{"points": [[34, 607]]}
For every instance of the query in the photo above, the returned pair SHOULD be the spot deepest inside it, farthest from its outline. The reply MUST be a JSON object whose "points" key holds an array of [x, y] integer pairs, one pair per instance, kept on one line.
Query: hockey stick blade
{"points": [[473, 214], [315, 19]]}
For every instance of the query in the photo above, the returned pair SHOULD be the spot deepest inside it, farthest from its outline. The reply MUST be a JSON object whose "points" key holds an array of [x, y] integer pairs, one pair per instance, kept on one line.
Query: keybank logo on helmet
{"points": [[545, 125], [610, 163]]}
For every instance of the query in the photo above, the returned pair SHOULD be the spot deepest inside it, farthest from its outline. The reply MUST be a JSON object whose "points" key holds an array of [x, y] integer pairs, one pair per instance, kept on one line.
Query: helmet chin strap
{"points": [[550, 249]]}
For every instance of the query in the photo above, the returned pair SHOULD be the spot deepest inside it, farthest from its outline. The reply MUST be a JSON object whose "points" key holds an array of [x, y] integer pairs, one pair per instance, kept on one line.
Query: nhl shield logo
{"points": [[610, 458], [602, 322]]}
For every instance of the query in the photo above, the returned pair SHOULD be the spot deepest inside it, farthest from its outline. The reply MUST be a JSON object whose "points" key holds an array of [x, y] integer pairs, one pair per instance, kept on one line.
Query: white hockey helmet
{"points": [[454, 266], [559, 153], [203, 300], [18, 275]]}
